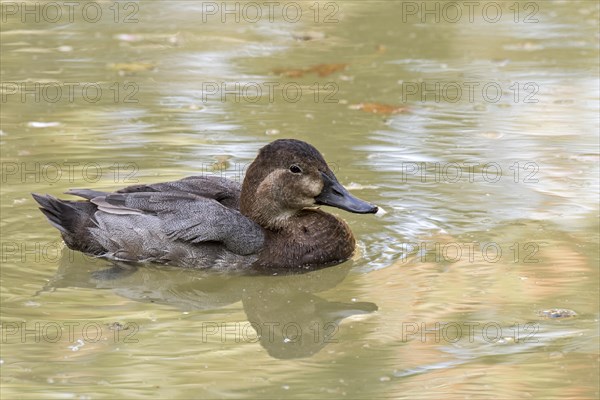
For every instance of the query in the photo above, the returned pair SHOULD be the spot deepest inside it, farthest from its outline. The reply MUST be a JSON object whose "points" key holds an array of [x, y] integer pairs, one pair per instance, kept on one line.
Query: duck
{"points": [[271, 222]]}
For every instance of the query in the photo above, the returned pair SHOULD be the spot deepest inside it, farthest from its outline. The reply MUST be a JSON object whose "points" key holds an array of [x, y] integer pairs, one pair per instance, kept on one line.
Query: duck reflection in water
{"points": [[290, 320]]}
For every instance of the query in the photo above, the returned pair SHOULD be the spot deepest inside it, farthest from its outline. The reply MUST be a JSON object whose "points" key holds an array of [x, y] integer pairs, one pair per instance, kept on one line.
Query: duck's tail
{"points": [[73, 219]]}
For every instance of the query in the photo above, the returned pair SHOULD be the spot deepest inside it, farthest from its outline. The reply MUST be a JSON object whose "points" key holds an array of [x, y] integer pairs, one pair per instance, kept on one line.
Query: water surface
{"points": [[478, 138]]}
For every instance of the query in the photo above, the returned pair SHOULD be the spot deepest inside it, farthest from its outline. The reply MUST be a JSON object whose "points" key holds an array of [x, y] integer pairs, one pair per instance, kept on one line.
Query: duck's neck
{"points": [[308, 238], [260, 201]]}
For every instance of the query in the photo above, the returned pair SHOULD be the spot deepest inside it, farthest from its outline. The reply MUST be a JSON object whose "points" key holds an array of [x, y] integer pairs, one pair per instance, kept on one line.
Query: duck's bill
{"points": [[335, 195]]}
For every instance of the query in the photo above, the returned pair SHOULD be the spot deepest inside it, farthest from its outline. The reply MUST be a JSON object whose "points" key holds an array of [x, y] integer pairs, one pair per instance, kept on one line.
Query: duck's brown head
{"points": [[287, 176]]}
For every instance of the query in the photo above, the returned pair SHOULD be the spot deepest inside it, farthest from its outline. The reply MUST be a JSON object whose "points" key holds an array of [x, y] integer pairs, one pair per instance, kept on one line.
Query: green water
{"points": [[488, 179]]}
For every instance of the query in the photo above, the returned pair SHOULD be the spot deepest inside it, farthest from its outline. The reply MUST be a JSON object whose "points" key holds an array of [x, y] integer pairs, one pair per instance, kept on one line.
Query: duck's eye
{"points": [[295, 169]]}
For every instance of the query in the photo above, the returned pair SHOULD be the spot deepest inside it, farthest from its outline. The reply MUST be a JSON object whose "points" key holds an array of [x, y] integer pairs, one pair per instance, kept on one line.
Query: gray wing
{"points": [[184, 217], [225, 191]]}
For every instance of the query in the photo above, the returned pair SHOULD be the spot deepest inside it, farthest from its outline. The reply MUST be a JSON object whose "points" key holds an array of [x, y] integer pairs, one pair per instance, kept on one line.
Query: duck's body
{"points": [[206, 221]]}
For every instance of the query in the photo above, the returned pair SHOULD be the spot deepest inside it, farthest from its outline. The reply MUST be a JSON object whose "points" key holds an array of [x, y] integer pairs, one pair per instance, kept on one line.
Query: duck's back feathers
{"points": [[225, 191], [183, 217], [196, 217]]}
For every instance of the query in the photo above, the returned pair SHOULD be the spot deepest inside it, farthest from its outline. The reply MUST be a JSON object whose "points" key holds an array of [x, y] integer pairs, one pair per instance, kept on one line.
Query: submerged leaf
{"points": [[327, 69], [319, 69]]}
